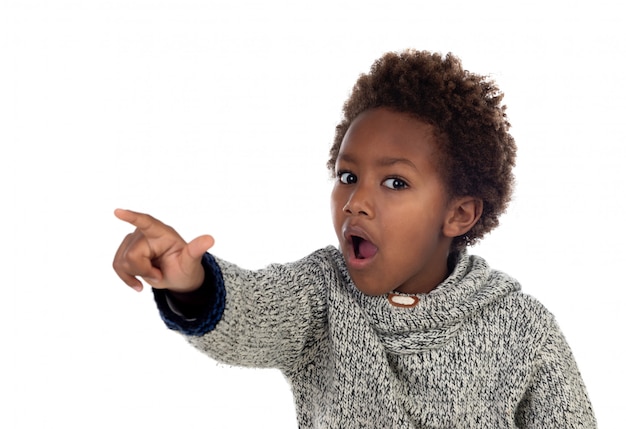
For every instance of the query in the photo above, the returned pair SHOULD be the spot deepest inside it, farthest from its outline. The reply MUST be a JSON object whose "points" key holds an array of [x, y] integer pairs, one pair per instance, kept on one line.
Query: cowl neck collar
{"points": [[471, 286]]}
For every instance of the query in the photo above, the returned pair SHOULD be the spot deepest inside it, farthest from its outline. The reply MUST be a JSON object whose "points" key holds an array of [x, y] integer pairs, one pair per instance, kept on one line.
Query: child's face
{"points": [[389, 205]]}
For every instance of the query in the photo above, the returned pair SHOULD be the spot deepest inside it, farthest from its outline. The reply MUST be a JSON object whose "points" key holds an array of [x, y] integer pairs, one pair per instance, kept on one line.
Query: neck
{"points": [[435, 277]]}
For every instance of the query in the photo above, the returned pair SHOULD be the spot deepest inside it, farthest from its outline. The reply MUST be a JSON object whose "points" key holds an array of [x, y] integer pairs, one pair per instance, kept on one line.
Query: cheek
{"points": [[336, 200], [336, 208], [411, 225]]}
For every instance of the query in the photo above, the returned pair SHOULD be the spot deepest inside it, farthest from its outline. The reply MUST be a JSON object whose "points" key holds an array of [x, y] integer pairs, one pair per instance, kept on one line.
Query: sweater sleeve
{"points": [[213, 295], [556, 396], [269, 317]]}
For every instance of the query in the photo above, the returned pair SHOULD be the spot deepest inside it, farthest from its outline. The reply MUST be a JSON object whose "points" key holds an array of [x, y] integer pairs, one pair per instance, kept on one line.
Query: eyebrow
{"points": [[383, 162]]}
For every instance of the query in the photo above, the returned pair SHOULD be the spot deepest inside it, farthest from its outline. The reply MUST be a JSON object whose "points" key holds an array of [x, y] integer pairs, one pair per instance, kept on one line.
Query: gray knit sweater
{"points": [[474, 353]]}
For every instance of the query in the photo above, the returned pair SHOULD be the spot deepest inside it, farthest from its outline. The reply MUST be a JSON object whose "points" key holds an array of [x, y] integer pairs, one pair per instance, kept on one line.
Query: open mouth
{"points": [[363, 249]]}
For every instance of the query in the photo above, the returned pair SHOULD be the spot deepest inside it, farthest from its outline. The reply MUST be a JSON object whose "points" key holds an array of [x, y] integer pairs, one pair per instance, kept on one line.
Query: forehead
{"points": [[382, 134]]}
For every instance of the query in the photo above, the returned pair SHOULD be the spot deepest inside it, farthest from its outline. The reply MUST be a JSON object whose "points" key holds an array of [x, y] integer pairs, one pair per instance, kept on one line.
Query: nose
{"points": [[359, 203]]}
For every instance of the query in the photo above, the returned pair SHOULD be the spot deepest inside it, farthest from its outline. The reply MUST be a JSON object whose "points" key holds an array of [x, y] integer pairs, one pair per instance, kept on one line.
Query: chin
{"points": [[370, 290]]}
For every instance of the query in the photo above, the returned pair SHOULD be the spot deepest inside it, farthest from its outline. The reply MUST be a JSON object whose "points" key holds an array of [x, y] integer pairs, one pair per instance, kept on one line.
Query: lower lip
{"points": [[359, 264]]}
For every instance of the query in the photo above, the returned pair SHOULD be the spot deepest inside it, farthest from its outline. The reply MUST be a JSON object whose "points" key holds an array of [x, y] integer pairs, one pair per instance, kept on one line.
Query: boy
{"points": [[399, 327]]}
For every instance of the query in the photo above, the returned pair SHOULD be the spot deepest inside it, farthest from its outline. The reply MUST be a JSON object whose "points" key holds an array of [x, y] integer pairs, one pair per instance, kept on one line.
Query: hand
{"points": [[155, 252]]}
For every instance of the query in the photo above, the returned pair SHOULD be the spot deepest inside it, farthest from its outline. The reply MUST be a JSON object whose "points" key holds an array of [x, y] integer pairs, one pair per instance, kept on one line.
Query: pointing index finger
{"points": [[144, 222]]}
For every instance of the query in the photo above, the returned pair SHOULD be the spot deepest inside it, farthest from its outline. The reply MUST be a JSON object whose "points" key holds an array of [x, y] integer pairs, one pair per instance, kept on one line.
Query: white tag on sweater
{"points": [[405, 301]]}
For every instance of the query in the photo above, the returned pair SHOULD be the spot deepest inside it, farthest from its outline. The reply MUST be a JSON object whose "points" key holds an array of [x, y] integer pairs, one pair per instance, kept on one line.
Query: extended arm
{"points": [[266, 318], [260, 318]]}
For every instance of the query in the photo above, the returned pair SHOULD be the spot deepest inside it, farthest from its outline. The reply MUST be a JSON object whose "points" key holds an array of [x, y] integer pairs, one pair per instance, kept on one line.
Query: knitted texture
{"points": [[474, 353]]}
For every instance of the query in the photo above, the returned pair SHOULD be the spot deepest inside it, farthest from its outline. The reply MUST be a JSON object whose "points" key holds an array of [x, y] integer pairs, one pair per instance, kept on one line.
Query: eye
{"points": [[395, 183], [347, 178]]}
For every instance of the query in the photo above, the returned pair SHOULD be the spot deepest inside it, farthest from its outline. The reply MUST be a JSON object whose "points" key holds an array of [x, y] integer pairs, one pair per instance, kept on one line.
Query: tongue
{"points": [[366, 249]]}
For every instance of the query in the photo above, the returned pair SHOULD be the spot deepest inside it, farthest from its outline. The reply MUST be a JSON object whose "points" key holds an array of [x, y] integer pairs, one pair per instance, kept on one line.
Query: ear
{"points": [[463, 213]]}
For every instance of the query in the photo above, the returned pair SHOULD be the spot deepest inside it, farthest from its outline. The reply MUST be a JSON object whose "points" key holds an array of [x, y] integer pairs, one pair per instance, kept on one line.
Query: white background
{"points": [[216, 116]]}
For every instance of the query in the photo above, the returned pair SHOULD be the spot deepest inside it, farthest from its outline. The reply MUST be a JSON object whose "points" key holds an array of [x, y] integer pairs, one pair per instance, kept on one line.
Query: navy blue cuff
{"points": [[213, 287]]}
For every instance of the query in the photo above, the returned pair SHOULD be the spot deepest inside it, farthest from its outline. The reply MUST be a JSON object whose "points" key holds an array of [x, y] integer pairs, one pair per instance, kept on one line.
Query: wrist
{"points": [[195, 312]]}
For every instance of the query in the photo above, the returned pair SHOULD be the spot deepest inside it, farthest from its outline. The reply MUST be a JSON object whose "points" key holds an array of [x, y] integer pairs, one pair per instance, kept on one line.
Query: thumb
{"points": [[191, 256], [199, 245]]}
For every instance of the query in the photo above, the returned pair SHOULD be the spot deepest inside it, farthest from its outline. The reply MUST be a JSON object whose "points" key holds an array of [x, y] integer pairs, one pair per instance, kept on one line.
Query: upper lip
{"points": [[355, 230]]}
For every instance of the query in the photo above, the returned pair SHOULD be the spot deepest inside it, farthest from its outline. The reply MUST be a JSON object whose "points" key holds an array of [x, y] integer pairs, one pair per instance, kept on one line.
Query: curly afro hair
{"points": [[477, 153]]}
